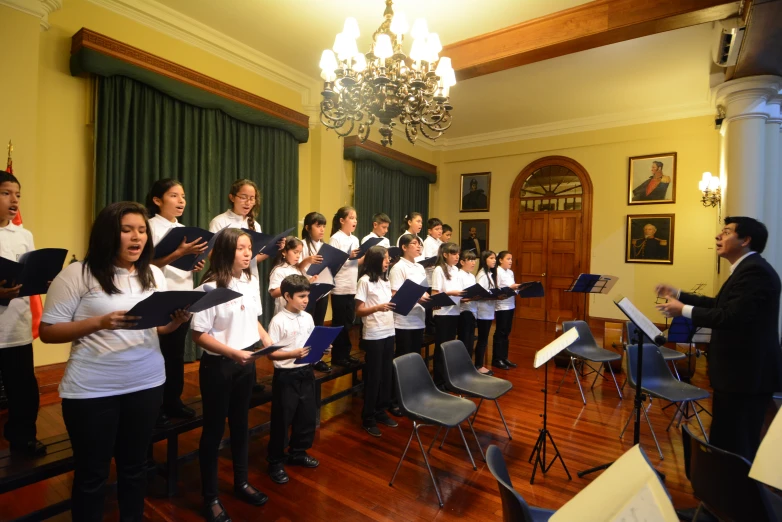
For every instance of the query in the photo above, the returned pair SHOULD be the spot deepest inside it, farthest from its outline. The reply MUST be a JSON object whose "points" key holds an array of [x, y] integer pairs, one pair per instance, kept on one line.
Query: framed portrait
{"points": [[474, 233], [652, 179], [649, 238], [475, 193]]}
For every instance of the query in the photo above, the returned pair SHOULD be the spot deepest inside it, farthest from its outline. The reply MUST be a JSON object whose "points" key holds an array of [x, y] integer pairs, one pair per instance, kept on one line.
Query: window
{"points": [[550, 188]]}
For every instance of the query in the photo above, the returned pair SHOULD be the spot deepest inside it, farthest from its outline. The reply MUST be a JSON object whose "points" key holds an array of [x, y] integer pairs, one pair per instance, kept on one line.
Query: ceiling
{"points": [[658, 74]]}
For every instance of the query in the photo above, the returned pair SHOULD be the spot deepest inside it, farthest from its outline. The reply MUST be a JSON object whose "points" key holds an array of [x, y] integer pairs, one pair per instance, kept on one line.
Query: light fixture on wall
{"points": [[709, 185], [385, 84]]}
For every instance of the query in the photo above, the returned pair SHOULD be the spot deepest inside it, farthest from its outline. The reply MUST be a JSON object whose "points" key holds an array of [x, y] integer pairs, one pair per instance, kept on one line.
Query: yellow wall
{"points": [[604, 154]]}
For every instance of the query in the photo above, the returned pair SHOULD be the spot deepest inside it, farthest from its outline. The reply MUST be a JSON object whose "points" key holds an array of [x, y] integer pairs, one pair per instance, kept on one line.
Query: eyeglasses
{"points": [[245, 199]]}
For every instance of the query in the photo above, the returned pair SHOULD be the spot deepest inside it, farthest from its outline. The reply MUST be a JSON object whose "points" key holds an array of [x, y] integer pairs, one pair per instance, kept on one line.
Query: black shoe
{"points": [[277, 474], [303, 460], [321, 366], [183, 412], [209, 512], [500, 364], [511, 364], [258, 387], [31, 448], [396, 412], [353, 359], [163, 421], [385, 420], [250, 494], [373, 430], [344, 362]]}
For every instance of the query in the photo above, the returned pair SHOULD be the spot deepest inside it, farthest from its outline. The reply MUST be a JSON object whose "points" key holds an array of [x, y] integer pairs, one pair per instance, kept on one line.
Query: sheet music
{"points": [[643, 322], [642, 507], [767, 467], [554, 347]]}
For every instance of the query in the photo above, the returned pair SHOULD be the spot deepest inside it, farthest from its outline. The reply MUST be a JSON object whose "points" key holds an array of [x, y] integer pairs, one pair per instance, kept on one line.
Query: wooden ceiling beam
{"points": [[594, 24]]}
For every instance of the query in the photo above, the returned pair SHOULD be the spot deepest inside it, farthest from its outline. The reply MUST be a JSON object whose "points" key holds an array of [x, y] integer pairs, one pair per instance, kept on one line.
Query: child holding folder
{"points": [[286, 264], [468, 308], [342, 298], [293, 385], [380, 223], [446, 319], [503, 312], [487, 278], [227, 371], [312, 232], [376, 312]]}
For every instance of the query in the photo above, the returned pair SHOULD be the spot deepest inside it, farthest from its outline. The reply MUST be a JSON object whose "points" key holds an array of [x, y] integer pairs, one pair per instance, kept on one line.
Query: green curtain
{"points": [[378, 189], [143, 135]]}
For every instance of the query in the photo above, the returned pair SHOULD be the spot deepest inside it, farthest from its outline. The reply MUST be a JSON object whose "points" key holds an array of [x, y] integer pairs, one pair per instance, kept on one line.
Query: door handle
{"points": [[543, 274]]}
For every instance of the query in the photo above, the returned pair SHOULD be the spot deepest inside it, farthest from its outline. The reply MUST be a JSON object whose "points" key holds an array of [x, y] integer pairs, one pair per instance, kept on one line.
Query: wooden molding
{"points": [[371, 146], [594, 24], [87, 39]]}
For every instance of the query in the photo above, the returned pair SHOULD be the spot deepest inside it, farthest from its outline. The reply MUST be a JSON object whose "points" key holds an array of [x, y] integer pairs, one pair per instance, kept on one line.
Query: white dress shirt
{"points": [[378, 325], [296, 328], [346, 279], [177, 279], [16, 321]]}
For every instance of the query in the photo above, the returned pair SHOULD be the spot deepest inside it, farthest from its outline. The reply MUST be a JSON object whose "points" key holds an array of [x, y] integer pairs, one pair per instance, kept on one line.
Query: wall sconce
{"points": [[709, 185]]}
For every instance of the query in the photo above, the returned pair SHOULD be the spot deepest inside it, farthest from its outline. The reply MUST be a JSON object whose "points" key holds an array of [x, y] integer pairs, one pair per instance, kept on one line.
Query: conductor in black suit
{"points": [[745, 359]]}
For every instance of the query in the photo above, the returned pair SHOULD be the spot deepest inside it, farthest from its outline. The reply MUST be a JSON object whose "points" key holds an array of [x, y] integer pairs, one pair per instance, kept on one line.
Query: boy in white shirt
{"points": [[293, 385], [16, 330], [380, 224]]}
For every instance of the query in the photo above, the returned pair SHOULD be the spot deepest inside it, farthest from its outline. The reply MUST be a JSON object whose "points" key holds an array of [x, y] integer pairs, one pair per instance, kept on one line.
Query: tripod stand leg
{"points": [[651, 430], [557, 455], [536, 454], [632, 416]]}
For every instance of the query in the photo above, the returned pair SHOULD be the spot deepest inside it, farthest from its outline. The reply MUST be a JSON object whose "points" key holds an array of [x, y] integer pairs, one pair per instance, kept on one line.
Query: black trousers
{"points": [[466, 331], [293, 406], [21, 388], [446, 328], [484, 326], [504, 319], [119, 426], [737, 422], [343, 313], [378, 373], [319, 314], [226, 387], [172, 346]]}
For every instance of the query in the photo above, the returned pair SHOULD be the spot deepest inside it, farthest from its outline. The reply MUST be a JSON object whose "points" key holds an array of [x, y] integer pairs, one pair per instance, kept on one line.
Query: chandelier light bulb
{"points": [[433, 42], [399, 25], [328, 76], [704, 183], [383, 47], [351, 28], [328, 62], [418, 51], [360, 63], [419, 30], [445, 72], [342, 46]]}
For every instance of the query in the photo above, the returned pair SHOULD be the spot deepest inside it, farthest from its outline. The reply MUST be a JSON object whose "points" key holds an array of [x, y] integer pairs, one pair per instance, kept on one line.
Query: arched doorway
{"points": [[550, 234]]}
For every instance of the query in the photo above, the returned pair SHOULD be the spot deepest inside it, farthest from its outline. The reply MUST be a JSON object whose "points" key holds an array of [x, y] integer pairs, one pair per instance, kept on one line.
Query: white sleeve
{"points": [[276, 277], [334, 241], [275, 331], [362, 291], [482, 280], [64, 295], [161, 284], [396, 277], [257, 296], [438, 279], [214, 225], [687, 311]]}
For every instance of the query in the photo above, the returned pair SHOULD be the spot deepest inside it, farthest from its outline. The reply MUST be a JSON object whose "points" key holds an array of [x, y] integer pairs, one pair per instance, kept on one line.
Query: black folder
{"points": [[34, 270], [156, 310], [333, 259], [505, 290], [318, 291], [171, 241], [267, 244], [429, 262], [441, 300], [319, 341], [407, 296], [531, 289], [270, 349], [394, 252], [369, 243], [478, 291]]}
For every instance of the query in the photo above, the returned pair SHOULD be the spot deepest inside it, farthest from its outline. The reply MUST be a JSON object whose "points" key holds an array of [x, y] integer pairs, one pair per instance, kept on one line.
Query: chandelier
{"points": [[385, 85]]}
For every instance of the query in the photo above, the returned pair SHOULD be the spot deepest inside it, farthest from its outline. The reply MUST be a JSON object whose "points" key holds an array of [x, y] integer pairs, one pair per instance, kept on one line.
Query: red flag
{"points": [[36, 305]]}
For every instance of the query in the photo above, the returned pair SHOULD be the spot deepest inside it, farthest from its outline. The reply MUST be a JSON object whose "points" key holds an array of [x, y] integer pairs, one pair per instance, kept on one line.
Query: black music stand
{"points": [[543, 356], [591, 284], [644, 328]]}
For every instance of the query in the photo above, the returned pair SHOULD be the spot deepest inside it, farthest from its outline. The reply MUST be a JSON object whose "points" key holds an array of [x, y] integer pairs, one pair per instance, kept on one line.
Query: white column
{"points": [[772, 215]]}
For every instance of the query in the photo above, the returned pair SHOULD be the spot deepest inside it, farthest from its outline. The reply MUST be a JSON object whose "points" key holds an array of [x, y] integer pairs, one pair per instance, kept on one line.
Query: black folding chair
{"points": [[514, 507], [421, 401], [668, 354], [585, 350], [720, 480]]}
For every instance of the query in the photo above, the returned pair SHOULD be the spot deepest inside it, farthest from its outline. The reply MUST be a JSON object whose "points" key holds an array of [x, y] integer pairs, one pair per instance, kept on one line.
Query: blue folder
{"points": [[505, 290], [171, 241], [319, 341], [333, 259], [407, 296], [269, 349], [429, 262], [478, 291], [369, 243], [441, 300], [156, 310], [34, 270], [318, 291], [267, 244], [531, 289]]}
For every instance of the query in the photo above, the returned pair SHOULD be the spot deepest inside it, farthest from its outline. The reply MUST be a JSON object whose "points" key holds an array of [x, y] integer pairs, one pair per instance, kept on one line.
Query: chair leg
{"points": [[597, 374], [403, 454], [428, 467], [483, 455], [614, 378], [469, 453], [570, 362], [445, 436], [698, 417], [578, 382], [677, 412], [675, 370], [651, 430], [434, 439], [477, 409], [503, 419]]}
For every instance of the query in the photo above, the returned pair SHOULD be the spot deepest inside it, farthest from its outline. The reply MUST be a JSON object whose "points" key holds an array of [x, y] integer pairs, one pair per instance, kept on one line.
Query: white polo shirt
{"points": [[107, 362], [279, 273], [505, 278], [485, 306], [296, 327], [468, 279], [383, 243], [379, 325], [418, 258], [177, 279], [16, 321], [230, 219], [431, 249], [441, 284], [345, 279], [234, 323], [400, 272], [325, 276]]}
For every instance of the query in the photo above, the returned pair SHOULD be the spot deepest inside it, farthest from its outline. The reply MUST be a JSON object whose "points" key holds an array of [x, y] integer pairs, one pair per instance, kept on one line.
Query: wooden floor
{"points": [[355, 468]]}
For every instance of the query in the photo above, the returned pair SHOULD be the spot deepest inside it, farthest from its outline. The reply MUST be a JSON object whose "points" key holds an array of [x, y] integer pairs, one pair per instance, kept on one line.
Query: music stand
{"points": [[644, 328], [592, 284], [542, 357]]}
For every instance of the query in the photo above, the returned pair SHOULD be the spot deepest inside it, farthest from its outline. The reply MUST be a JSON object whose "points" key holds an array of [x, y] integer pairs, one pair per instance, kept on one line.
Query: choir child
{"points": [[447, 233], [227, 371], [312, 232], [468, 309], [446, 319], [16, 330], [342, 298], [380, 224], [165, 203], [503, 312], [112, 388], [286, 263], [434, 229], [412, 224], [373, 305], [487, 278], [293, 384]]}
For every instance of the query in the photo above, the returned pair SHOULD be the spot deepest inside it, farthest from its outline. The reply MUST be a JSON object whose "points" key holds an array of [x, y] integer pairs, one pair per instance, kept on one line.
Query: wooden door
{"points": [[530, 260]]}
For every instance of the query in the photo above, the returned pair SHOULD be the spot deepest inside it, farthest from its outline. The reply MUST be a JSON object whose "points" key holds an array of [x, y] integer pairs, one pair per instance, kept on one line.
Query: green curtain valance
{"points": [[388, 159]]}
